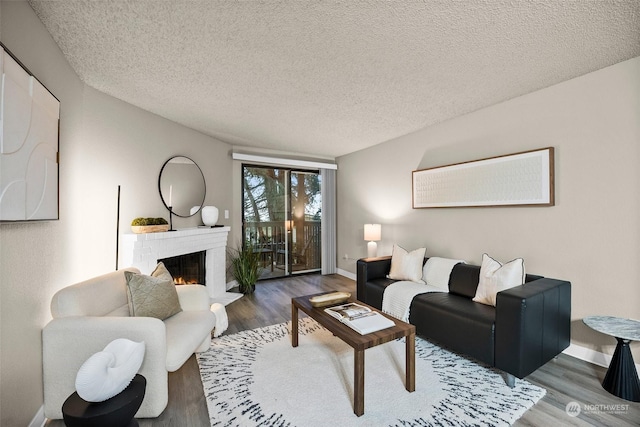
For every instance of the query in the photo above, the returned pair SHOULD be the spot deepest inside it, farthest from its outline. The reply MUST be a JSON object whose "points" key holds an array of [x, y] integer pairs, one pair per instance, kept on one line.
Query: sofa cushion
{"points": [[463, 280], [185, 332], [406, 265], [151, 296], [375, 291], [457, 322], [496, 277]]}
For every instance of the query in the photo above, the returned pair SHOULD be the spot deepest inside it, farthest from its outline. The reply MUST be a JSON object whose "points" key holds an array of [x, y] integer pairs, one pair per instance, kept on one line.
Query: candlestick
{"points": [[170, 194]]}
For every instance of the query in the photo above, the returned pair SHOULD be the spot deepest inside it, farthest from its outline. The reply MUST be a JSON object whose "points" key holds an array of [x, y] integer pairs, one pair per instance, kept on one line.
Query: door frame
{"points": [[288, 241]]}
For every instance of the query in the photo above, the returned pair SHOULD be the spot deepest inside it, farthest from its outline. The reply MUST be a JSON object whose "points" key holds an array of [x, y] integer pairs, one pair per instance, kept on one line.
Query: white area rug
{"points": [[255, 378]]}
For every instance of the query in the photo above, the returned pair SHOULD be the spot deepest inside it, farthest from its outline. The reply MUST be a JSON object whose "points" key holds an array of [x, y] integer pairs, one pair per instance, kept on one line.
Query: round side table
{"points": [[115, 412], [622, 377]]}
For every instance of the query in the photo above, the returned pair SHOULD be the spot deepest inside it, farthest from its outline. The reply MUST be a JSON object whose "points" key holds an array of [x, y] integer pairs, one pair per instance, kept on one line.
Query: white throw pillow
{"points": [[496, 277], [436, 271], [406, 265]]}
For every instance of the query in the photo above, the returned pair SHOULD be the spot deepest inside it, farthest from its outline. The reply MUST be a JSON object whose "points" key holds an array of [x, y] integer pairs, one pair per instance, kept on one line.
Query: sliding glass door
{"points": [[281, 218]]}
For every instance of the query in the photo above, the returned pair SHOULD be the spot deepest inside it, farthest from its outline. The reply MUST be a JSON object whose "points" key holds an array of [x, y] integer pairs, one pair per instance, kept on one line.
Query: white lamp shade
{"points": [[372, 232]]}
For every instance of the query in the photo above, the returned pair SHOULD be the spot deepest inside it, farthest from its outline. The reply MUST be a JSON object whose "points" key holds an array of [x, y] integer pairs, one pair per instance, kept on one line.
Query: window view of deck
{"points": [[282, 219]]}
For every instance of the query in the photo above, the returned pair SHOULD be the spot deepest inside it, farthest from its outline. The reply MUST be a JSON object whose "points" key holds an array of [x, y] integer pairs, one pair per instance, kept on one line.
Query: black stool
{"points": [[115, 412]]}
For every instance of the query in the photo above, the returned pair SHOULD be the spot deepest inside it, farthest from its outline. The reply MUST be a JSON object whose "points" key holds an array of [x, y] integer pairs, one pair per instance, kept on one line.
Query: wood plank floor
{"points": [[566, 379]]}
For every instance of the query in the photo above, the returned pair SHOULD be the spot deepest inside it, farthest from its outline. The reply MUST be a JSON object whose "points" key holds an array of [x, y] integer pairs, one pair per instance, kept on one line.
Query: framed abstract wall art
{"points": [[519, 179], [29, 126]]}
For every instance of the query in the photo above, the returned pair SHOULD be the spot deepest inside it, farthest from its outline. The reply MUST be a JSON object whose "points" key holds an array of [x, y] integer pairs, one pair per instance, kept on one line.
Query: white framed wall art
{"points": [[29, 127], [520, 179]]}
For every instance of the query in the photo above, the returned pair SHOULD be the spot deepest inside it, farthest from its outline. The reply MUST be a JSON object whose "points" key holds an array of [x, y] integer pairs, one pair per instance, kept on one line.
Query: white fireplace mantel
{"points": [[144, 250]]}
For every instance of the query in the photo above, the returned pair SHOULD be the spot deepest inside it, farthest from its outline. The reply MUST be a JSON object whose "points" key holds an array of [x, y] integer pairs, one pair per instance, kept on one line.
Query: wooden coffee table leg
{"points": [[411, 362], [358, 382], [294, 325]]}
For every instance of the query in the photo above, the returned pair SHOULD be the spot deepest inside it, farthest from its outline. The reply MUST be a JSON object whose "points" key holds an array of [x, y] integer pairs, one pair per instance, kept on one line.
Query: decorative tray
{"points": [[331, 298], [141, 229]]}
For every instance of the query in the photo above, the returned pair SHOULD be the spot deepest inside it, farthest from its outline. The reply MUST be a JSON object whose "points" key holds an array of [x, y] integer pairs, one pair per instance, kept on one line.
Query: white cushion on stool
{"points": [[222, 321]]}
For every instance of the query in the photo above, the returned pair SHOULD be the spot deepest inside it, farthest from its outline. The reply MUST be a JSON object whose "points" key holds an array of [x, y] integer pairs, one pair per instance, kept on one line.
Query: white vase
{"points": [[209, 215]]}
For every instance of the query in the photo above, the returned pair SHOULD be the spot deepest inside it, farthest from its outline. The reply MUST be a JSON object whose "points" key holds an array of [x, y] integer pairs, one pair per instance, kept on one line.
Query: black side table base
{"points": [[115, 412], [622, 378]]}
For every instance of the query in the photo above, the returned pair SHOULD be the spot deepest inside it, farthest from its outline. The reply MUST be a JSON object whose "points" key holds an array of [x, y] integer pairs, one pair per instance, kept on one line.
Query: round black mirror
{"points": [[182, 187]]}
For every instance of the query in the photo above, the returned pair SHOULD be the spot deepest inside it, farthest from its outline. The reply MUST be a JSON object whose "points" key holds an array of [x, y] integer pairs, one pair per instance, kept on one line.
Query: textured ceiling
{"points": [[331, 77]]}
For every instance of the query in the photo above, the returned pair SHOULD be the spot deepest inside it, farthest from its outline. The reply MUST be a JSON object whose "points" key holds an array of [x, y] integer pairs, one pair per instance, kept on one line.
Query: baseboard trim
{"points": [[231, 284], [588, 355], [38, 419], [346, 274], [591, 356]]}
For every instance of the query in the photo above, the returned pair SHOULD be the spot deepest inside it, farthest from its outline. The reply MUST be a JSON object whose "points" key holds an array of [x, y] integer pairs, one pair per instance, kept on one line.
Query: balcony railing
{"points": [[301, 253]]}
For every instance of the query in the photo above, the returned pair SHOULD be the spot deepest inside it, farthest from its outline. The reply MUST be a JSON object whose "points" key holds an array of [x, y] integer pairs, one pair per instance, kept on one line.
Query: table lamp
{"points": [[372, 233]]}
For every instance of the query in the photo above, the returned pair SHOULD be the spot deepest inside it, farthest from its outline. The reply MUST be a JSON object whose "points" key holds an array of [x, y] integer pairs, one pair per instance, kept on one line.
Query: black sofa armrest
{"points": [[368, 269], [533, 325]]}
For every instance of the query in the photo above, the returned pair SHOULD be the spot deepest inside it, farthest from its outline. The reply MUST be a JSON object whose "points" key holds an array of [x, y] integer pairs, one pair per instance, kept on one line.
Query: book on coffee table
{"points": [[360, 318]]}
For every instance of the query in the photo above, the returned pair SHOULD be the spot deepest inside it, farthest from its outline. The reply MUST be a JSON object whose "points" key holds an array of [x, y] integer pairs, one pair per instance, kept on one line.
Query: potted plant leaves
{"points": [[245, 267]]}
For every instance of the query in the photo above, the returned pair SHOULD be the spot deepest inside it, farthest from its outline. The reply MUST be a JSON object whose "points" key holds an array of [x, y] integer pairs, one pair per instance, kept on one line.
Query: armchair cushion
{"points": [[193, 297], [185, 332]]}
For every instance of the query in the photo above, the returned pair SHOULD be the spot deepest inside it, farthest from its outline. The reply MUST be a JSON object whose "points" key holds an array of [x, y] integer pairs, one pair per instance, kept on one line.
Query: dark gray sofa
{"points": [[529, 326]]}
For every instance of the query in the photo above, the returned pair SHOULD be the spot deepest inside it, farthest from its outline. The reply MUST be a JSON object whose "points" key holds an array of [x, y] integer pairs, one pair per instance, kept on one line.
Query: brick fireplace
{"points": [[143, 251]]}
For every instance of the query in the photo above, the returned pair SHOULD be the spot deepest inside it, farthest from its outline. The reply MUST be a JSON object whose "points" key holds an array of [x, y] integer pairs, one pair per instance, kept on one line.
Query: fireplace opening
{"points": [[187, 269]]}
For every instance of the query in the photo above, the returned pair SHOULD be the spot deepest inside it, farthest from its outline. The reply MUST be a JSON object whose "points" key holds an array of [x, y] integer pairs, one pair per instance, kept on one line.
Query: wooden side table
{"points": [[622, 377], [115, 412]]}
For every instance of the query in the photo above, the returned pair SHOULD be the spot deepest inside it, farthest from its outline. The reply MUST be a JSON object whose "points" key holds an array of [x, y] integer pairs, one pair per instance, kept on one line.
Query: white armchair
{"points": [[89, 315]]}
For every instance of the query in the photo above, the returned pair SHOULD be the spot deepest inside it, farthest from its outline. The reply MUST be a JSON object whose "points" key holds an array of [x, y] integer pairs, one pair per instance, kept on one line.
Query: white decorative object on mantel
{"points": [[144, 250], [210, 215]]}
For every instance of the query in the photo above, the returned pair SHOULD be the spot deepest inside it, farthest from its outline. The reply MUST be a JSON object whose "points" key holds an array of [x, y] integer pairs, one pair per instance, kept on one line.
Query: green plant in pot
{"points": [[245, 267]]}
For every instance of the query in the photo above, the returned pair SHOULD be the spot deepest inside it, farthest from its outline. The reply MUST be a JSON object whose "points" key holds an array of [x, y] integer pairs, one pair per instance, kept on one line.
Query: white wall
{"points": [[128, 148], [591, 237], [104, 143]]}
